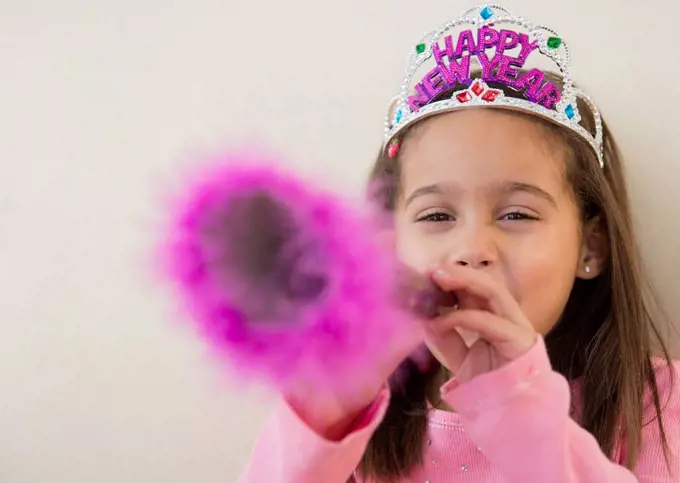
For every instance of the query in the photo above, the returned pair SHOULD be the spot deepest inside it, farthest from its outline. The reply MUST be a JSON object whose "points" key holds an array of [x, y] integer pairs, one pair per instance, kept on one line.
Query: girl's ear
{"points": [[594, 250]]}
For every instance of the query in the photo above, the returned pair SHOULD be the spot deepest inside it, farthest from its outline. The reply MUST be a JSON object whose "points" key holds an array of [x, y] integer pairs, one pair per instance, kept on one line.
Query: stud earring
{"points": [[587, 268]]}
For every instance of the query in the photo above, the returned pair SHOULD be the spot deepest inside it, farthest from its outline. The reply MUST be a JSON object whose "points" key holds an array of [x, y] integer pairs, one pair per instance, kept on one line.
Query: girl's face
{"points": [[486, 189]]}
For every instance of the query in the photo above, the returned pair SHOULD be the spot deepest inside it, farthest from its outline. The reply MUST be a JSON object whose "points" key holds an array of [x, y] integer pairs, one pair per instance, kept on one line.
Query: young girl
{"points": [[508, 189]]}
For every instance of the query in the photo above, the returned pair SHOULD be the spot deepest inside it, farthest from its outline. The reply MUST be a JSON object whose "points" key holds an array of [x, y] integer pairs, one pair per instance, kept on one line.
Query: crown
{"points": [[514, 41]]}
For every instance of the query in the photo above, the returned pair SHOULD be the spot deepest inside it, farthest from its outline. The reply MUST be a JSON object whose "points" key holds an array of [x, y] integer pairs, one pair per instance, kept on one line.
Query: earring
{"points": [[587, 268]]}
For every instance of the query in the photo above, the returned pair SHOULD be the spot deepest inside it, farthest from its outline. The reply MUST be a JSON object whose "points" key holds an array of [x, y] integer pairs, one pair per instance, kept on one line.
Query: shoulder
{"points": [[667, 399], [667, 381], [666, 373]]}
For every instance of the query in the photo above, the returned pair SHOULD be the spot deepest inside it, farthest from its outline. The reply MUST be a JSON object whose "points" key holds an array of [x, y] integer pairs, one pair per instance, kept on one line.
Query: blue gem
{"points": [[399, 115], [486, 13], [569, 111]]}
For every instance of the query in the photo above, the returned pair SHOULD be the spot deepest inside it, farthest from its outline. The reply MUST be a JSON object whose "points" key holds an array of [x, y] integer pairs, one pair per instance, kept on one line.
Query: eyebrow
{"points": [[438, 189], [531, 189], [433, 189]]}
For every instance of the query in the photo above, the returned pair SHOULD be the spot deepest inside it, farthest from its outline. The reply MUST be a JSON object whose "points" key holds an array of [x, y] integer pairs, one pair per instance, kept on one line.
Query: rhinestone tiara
{"points": [[486, 27]]}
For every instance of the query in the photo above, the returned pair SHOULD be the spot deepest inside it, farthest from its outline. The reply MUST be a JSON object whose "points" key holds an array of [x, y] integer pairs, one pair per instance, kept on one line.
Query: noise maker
{"points": [[287, 281]]}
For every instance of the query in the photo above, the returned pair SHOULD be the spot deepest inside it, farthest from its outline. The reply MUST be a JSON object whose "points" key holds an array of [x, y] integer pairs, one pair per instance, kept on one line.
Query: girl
{"points": [[508, 189]]}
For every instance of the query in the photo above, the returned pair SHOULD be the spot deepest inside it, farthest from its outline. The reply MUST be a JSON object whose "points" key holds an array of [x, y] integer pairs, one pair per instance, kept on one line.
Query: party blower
{"points": [[287, 281]]}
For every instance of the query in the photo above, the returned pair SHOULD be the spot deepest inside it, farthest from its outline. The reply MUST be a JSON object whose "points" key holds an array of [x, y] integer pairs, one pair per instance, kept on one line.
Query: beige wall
{"points": [[102, 102]]}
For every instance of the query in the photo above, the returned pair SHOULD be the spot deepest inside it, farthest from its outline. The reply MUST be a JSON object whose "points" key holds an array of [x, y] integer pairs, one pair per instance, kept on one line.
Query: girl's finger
{"points": [[450, 345], [498, 331], [479, 284], [489, 325]]}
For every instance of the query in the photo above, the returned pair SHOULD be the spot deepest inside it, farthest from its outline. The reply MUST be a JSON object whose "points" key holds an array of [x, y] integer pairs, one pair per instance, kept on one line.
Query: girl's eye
{"points": [[437, 217], [517, 216]]}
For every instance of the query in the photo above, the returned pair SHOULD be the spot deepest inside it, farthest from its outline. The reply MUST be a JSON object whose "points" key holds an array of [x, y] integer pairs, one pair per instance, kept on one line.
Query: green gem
{"points": [[554, 42], [420, 48]]}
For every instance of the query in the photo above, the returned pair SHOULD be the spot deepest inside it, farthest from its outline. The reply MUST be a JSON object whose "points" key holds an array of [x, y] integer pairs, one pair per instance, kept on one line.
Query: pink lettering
{"points": [[486, 37], [448, 51], [465, 42], [549, 95], [527, 47], [508, 40], [419, 100], [532, 80], [457, 72], [507, 73], [488, 66], [433, 83]]}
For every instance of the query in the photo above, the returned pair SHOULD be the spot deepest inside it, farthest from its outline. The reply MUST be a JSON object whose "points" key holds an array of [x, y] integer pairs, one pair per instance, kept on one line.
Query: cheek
{"points": [[543, 283], [413, 249]]}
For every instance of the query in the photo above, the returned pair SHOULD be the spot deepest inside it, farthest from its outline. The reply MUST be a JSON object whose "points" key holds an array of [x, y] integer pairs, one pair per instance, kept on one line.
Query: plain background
{"points": [[103, 107]]}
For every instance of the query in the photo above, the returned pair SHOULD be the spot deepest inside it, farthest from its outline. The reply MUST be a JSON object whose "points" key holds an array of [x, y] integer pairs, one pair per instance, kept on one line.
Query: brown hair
{"points": [[604, 336]]}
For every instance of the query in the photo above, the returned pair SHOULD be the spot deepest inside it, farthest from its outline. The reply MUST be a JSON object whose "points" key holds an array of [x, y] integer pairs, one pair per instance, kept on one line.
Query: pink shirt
{"points": [[513, 425]]}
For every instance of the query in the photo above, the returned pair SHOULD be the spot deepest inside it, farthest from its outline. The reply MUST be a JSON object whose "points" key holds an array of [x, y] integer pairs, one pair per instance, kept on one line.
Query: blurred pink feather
{"points": [[285, 280]]}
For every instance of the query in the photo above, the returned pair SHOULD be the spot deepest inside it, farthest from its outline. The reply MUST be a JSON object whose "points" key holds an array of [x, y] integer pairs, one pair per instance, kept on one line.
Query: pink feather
{"points": [[285, 280]]}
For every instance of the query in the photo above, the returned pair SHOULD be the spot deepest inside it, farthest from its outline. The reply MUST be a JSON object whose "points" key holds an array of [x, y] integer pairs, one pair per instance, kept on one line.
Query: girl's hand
{"points": [[486, 308], [332, 413]]}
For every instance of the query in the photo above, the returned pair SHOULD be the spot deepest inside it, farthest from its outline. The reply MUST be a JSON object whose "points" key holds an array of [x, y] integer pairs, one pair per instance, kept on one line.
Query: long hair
{"points": [[605, 336]]}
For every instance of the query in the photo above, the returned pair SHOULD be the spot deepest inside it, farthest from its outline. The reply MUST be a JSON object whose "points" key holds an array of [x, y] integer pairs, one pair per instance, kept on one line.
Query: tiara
{"points": [[454, 56]]}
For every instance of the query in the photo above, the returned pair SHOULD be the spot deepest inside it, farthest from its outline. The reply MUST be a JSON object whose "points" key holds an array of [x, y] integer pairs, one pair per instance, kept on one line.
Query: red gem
{"points": [[393, 148], [477, 88], [491, 96], [464, 97]]}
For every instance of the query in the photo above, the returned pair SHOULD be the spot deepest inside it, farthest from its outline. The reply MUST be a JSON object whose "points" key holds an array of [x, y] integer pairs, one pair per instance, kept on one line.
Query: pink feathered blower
{"points": [[285, 280]]}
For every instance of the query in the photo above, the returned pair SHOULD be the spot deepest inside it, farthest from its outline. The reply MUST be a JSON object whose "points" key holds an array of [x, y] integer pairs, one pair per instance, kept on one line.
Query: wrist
{"points": [[334, 421]]}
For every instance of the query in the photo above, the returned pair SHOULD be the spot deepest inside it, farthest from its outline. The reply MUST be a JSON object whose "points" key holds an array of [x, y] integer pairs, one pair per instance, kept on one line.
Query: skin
{"points": [[485, 208], [486, 211]]}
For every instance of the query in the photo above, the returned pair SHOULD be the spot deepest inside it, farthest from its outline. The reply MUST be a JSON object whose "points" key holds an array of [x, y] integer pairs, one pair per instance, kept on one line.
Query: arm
{"points": [[651, 466], [289, 451], [519, 416]]}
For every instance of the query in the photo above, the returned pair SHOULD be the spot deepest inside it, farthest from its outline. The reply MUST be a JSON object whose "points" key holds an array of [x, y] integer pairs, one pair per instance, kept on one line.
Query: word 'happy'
{"points": [[500, 68]]}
